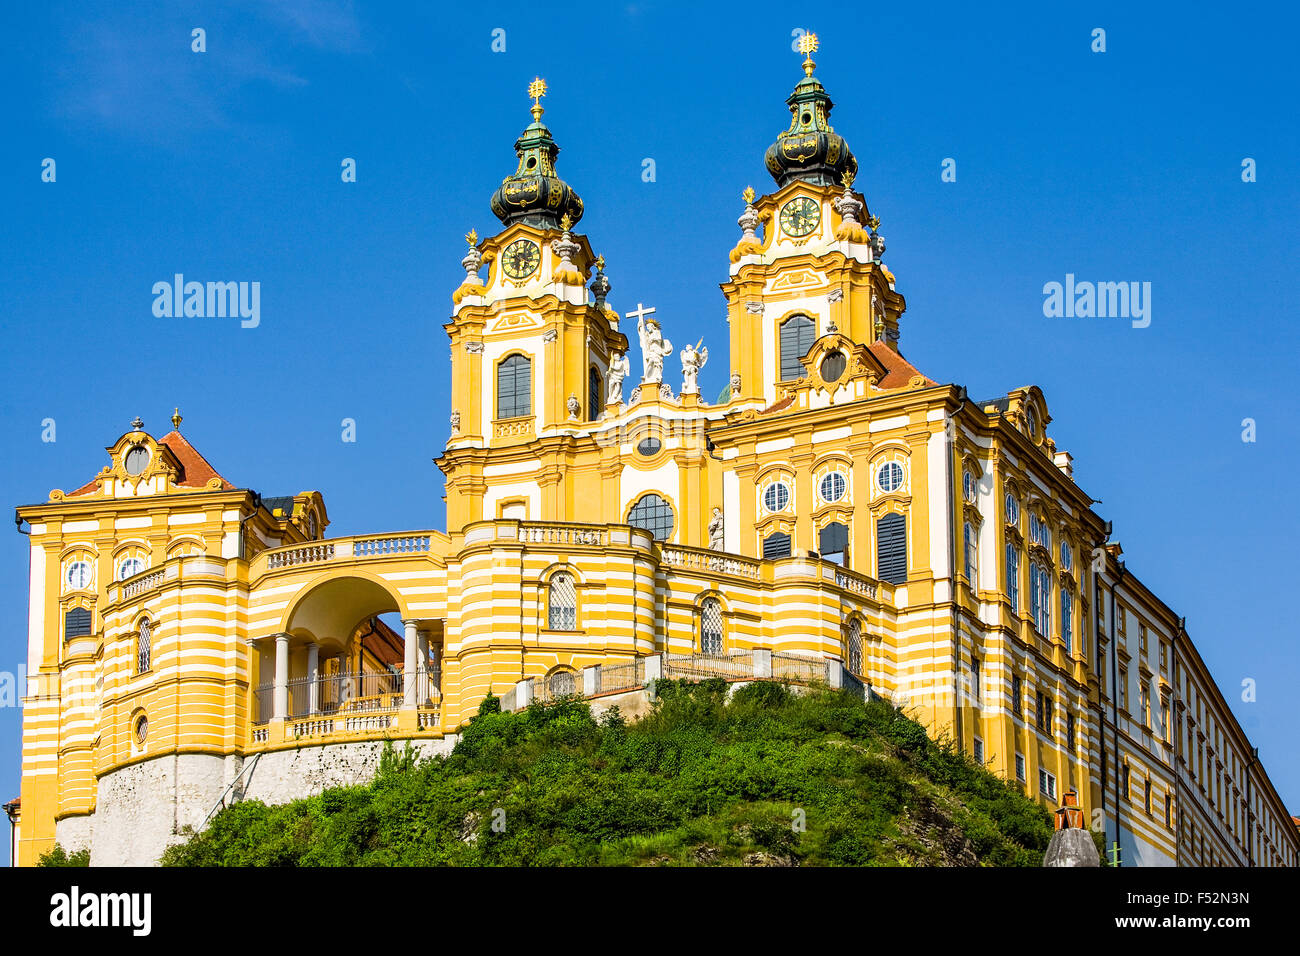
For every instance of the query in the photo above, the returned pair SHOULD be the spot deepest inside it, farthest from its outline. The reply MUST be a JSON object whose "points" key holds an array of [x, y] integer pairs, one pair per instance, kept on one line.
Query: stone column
{"points": [[591, 681], [762, 662], [281, 707], [313, 678], [411, 663]]}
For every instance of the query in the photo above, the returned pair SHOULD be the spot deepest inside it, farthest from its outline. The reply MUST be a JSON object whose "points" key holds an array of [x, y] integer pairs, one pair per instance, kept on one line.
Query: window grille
{"points": [[711, 637], [143, 647], [563, 602], [652, 513]]}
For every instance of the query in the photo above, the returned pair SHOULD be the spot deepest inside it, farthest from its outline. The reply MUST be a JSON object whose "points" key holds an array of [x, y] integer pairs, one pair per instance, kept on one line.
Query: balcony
{"points": [[348, 704]]}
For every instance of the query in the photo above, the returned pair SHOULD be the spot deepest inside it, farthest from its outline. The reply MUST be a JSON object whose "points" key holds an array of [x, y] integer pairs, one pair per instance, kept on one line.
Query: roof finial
{"points": [[808, 46], [537, 89], [176, 418], [137, 424]]}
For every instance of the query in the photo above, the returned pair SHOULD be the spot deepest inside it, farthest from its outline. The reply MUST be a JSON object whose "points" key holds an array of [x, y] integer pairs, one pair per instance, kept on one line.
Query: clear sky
{"points": [[225, 165]]}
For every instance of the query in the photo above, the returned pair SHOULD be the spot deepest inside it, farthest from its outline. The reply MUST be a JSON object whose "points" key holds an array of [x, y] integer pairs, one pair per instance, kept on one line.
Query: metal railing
{"points": [[703, 666], [347, 695], [616, 677], [797, 668]]}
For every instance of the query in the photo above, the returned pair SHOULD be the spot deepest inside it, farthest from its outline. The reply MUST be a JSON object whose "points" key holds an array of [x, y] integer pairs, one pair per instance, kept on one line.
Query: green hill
{"points": [[769, 778]]}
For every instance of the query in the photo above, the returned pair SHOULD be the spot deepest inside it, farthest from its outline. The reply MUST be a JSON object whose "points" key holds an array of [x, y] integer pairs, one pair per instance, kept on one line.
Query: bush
{"points": [[813, 779], [61, 857]]}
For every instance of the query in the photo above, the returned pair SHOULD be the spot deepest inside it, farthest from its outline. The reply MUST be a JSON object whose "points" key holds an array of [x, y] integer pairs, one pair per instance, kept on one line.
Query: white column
{"points": [[313, 678], [411, 662], [281, 677]]}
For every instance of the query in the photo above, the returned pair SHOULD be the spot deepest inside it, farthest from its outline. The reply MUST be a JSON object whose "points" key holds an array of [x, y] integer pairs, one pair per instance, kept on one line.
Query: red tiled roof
{"points": [[898, 370], [195, 470]]}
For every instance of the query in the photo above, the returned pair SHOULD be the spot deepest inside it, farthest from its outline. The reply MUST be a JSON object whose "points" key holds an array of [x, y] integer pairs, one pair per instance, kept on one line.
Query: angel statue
{"points": [[654, 348], [693, 359], [619, 369]]}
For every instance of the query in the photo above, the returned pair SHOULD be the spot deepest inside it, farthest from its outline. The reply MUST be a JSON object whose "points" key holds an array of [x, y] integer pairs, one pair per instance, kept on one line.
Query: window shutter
{"points": [[834, 543], [776, 546], [797, 335], [891, 549], [514, 387], [76, 623]]}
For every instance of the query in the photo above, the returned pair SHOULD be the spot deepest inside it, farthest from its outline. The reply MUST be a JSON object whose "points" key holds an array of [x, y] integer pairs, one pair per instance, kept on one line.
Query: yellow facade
{"points": [[836, 504]]}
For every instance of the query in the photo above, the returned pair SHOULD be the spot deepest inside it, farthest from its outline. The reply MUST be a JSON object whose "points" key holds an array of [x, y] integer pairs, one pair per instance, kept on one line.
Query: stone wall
{"points": [[142, 808]]}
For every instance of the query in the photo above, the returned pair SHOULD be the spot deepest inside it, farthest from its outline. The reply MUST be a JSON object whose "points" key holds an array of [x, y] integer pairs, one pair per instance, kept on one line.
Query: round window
{"points": [[777, 496], [649, 446], [128, 567], [833, 366], [136, 460], [890, 476], [141, 730], [833, 487], [1013, 509], [78, 576]]}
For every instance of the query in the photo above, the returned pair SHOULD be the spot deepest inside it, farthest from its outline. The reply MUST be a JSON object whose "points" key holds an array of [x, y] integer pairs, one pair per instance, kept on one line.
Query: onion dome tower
{"points": [[535, 194], [810, 150]]}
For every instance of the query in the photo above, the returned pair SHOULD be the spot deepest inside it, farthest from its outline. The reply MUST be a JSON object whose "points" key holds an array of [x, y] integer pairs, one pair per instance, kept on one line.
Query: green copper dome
{"points": [[810, 149], [535, 194]]}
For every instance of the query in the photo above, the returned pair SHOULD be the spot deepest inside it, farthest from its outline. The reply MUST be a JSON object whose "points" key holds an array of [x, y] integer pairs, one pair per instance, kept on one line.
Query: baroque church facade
{"points": [[835, 514]]}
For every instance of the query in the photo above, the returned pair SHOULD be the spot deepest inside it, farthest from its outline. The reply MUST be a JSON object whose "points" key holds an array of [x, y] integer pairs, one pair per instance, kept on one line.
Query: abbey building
{"points": [[835, 515]]}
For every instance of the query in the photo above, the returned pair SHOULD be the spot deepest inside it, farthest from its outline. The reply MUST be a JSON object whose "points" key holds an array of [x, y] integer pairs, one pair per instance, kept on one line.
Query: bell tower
{"points": [[530, 351], [817, 268]]}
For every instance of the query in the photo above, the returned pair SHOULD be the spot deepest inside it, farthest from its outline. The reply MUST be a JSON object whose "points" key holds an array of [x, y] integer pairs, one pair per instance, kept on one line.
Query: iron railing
{"points": [[703, 666], [797, 668], [347, 694], [616, 677]]}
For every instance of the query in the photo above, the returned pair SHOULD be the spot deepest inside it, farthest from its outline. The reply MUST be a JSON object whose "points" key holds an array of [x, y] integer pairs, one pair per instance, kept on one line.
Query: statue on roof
{"points": [[693, 359]]}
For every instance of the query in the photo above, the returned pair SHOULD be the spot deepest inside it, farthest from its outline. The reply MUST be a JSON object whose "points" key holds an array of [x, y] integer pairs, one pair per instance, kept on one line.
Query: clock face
{"points": [[800, 216], [520, 259]]}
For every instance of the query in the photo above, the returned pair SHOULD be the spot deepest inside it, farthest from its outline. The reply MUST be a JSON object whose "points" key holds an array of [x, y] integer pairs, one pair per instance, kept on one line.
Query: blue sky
{"points": [[1123, 165]]}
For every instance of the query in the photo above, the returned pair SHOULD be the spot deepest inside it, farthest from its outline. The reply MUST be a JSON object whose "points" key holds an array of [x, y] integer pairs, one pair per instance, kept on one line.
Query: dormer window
{"points": [[833, 366], [136, 460]]}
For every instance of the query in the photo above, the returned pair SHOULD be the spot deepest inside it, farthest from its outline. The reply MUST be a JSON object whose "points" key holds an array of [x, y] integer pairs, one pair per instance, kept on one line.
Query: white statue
{"points": [[619, 369], [716, 526], [693, 359], [654, 348]]}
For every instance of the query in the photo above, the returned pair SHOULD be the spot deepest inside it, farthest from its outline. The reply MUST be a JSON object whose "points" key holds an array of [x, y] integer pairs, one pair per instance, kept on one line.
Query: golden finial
{"points": [[873, 222], [847, 178], [748, 195], [808, 46], [537, 89], [176, 418], [566, 222], [471, 237], [600, 263]]}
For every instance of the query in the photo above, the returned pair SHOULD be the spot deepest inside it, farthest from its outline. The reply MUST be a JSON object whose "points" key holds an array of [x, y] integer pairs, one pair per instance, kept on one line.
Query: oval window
{"points": [[136, 459], [777, 496], [890, 477], [833, 366], [649, 446]]}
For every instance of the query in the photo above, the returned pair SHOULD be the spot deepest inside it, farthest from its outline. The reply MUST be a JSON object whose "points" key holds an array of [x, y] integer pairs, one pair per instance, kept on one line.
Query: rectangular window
{"points": [[1070, 741], [979, 752], [1020, 767], [1124, 783], [76, 623], [1169, 811], [1067, 621], [975, 681], [1144, 705], [970, 554], [1123, 689], [1046, 784], [1017, 702], [1142, 639], [1164, 657], [1013, 577], [1146, 796], [776, 545], [1040, 711]]}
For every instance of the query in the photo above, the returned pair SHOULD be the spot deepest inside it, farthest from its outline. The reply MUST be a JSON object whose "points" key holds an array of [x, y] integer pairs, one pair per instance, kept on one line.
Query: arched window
{"points": [[143, 647], [891, 549], [776, 545], [595, 395], [653, 514], [562, 602], [797, 335], [1067, 621], [853, 647], [1013, 576], [515, 387], [711, 636], [76, 623], [129, 566], [833, 543]]}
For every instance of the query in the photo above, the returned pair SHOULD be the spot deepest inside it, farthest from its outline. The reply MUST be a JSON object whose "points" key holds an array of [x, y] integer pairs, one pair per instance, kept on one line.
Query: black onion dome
{"points": [[810, 149], [535, 194]]}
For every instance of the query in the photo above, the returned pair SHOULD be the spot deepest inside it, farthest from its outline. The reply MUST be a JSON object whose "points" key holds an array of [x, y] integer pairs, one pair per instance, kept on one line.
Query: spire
{"points": [[810, 149], [535, 194]]}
